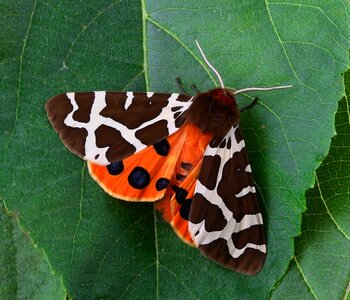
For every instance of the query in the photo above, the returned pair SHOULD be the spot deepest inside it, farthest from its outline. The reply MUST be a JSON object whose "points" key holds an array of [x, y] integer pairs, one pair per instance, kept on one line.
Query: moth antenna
{"points": [[210, 65], [262, 89]]}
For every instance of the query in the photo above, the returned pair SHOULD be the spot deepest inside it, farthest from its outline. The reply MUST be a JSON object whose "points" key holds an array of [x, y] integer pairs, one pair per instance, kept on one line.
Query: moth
{"points": [[187, 153]]}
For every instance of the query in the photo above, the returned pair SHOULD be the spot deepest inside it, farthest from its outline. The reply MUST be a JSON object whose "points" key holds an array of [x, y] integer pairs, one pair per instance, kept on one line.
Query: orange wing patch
{"points": [[143, 176], [180, 204], [178, 198]]}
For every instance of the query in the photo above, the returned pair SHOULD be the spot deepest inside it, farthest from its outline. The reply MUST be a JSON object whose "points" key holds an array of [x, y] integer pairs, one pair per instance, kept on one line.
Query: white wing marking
{"points": [[128, 101], [98, 155], [198, 231]]}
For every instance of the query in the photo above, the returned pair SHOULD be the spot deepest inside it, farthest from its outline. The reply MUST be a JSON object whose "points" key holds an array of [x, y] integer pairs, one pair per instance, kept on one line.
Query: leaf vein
{"points": [[176, 38], [19, 81], [347, 292], [181, 281], [284, 134], [132, 80], [304, 277], [317, 8], [144, 43], [79, 220], [135, 278], [284, 48], [328, 211], [156, 250], [84, 28], [116, 241]]}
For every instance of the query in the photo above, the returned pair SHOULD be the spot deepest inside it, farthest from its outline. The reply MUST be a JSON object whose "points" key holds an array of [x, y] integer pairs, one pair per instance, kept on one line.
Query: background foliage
{"points": [[105, 248]]}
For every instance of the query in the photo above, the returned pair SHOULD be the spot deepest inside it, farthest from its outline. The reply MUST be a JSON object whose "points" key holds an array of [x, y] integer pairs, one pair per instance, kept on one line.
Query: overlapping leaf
{"points": [[321, 266]]}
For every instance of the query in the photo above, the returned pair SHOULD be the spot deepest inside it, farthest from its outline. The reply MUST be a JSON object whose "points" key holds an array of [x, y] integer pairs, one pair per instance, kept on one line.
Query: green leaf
{"points": [[111, 249], [24, 272], [321, 266]]}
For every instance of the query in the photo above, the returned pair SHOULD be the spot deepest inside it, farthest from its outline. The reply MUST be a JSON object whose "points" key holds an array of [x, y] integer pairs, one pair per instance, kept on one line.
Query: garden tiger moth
{"points": [[185, 152]]}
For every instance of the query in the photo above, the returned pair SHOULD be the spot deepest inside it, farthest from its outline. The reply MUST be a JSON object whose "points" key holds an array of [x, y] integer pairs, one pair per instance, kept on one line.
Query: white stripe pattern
{"points": [[98, 155], [246, 191], [198, 231]]}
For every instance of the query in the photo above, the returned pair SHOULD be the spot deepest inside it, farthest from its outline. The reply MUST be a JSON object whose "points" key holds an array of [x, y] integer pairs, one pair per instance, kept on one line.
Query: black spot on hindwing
{"points": [[115, 168], [139, 178], [162, 183], [162, 147], [185, 209], [180, 195]]}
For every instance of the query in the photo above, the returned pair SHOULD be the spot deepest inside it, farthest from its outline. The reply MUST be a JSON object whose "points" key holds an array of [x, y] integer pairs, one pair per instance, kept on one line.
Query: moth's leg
{"points": [[255, 101], [195, 89], [180, 86]]}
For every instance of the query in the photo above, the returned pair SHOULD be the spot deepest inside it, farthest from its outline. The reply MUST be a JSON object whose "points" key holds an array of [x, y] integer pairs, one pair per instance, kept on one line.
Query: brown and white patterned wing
{"points": [[225, 220], [105, 127]]}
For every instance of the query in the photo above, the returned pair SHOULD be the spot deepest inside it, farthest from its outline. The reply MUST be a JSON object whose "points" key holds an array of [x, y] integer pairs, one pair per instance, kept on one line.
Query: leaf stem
{"points": [[156, 249], [144, 43]]}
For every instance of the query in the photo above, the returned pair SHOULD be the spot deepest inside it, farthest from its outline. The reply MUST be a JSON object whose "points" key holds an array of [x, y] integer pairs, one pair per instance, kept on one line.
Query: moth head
{"points": [[225, 97]]}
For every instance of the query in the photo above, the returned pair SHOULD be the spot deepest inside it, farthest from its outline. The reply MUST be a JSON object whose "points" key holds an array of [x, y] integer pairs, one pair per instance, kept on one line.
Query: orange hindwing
{"points": [[146, 175]]}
